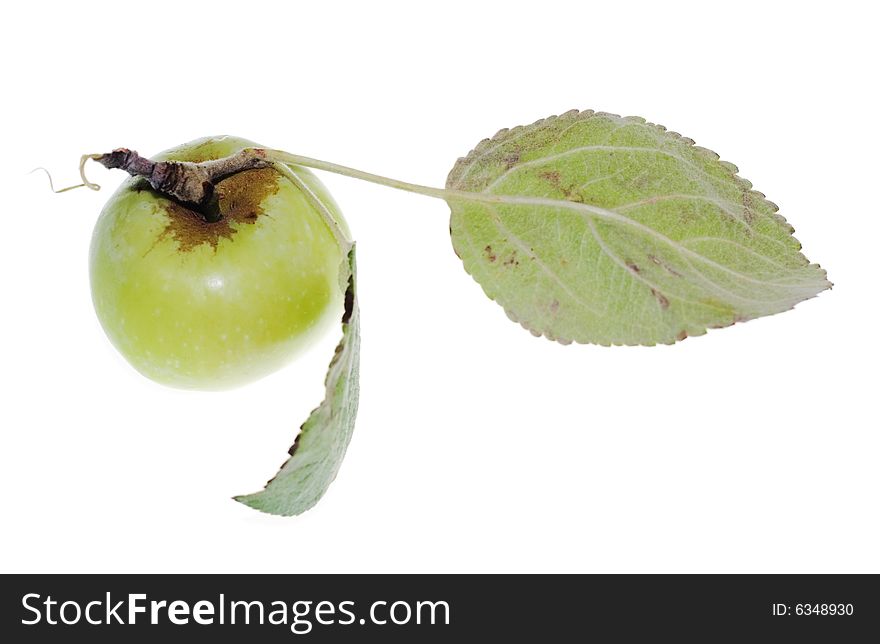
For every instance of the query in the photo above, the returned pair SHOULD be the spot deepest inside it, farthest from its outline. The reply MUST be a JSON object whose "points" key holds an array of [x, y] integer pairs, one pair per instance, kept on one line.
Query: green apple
{"points": [[214, 305]]}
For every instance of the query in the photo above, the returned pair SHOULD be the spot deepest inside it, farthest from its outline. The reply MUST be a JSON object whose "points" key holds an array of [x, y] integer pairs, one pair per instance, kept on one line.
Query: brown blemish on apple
{"points": [[238, 199]]}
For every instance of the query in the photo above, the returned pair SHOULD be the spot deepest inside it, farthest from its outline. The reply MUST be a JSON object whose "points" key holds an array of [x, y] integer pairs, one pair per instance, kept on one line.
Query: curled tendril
{"points": [[82, 173]]}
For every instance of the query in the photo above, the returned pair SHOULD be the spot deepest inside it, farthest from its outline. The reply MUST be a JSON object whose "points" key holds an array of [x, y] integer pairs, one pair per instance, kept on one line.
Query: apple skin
{"points": [[202, 305]]}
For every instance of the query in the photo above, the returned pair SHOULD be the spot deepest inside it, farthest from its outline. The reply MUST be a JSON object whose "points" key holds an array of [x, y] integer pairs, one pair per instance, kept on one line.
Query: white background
{"points": [[478, 447]]}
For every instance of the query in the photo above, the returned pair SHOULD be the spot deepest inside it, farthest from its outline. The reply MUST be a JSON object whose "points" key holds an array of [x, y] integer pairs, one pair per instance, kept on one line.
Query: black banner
{"points": [[438, 608]]}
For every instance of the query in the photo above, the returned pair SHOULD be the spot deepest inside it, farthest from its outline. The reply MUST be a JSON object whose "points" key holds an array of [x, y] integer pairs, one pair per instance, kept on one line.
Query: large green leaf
{"points": [[319, 448], [612, 230]]}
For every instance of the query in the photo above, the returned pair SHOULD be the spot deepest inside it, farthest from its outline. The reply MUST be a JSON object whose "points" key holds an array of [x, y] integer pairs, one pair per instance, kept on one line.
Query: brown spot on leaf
{"points": [[751, 201], [511, 159], [552, 176], [489, 254], [512, 260], [661, 299], [633, 267], [555, 179], [681, 335], [665, 266], [239, 200], [554, 307], [349, 305]]}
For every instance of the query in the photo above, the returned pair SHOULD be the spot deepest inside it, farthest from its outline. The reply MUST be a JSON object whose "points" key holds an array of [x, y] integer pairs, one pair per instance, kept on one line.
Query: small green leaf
{"points": [[600, 229], [319, 448]]}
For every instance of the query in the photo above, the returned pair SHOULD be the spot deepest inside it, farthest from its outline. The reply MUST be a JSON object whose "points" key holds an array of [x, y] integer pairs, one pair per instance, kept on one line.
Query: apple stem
{"points": [[185, 181]]}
